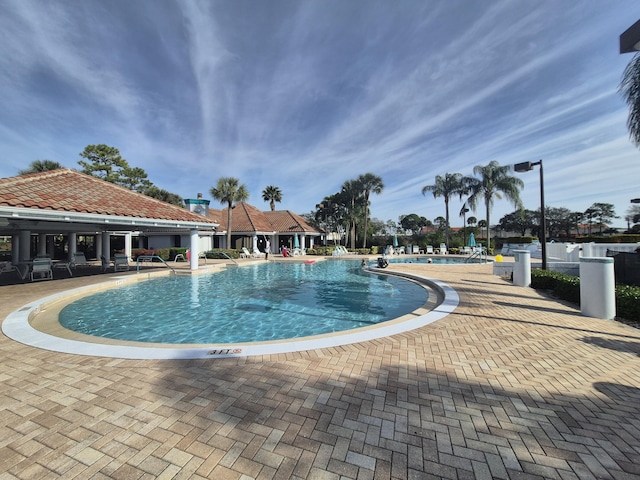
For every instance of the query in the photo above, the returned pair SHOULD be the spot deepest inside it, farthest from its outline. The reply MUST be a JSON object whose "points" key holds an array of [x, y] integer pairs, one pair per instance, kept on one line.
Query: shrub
{"points": [[163, 253], [177, 251], [628, 302], [567, 287], [221, 253], [137, 252]]}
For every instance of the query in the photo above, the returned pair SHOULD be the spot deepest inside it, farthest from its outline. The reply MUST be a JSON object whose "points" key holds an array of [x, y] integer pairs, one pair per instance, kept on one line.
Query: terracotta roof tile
{"points": [[71, 191], [247, 219]]}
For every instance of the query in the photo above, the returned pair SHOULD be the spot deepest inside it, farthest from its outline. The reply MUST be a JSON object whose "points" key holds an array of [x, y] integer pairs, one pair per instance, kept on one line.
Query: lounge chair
{"points": [[41, 270], [79, 259], [443, 249], [120, 263], [6, 267], [245, 253], [429, 249], [257, 253]]}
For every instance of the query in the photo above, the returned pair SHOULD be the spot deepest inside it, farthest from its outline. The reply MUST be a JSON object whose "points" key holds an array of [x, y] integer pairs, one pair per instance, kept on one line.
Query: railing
{"points": [[479, 254], [223, 254], [149, 258]]}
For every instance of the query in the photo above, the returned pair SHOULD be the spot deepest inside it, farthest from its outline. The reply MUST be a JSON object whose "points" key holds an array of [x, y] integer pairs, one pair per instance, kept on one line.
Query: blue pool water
{"points": [[248, 304]]}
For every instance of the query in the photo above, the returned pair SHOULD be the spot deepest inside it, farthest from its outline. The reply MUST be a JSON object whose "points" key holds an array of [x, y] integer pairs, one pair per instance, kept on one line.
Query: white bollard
{"points": [[522, 268], [597, 287]]}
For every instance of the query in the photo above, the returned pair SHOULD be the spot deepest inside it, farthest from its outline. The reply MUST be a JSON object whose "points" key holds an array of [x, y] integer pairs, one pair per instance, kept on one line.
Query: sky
{"points": [[306, 95]]}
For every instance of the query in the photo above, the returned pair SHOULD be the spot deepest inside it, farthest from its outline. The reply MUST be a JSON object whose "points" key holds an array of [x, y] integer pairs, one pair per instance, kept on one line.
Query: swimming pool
{"points": [[36, 324], [254, 303]]}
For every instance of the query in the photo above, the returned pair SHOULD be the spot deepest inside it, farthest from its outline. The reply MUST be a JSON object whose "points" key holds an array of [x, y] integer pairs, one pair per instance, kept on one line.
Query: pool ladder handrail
{"points": [[150, 258], [478, 254]]}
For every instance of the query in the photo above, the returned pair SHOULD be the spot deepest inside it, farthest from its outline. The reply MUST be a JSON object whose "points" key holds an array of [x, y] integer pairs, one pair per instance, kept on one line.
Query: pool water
{"points": [[247, 304]]}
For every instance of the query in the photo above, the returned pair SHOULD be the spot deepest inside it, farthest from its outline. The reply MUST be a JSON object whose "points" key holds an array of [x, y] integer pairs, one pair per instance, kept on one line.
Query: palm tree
{"points": [[38, 166], [351, 192], [272, 195], [494, 180], [228, 190], [450, 184], [369, 183], [630, 89]]}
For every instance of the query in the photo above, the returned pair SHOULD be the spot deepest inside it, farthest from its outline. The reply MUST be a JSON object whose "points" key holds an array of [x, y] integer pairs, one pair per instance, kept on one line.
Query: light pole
{"points": [[525, 167]]}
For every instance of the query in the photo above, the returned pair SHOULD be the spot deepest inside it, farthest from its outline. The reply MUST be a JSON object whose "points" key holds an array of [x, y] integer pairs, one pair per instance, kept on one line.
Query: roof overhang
{"points": [[630, 39], [78, 221]]}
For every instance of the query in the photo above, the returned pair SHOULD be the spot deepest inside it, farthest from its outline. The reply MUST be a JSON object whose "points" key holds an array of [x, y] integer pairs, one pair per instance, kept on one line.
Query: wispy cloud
{"points": [[307, 95]]}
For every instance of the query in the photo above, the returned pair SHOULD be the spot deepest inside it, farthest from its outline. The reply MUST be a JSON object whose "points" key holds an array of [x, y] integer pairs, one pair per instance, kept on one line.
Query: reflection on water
{"points": [[253, 303]]}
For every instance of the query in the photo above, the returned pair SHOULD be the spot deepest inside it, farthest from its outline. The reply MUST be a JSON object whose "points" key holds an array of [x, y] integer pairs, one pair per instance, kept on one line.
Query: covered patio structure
{"points": [[45, 214]]}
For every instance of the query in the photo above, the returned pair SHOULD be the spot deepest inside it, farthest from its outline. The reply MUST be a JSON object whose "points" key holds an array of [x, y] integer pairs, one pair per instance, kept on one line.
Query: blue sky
{"points": [[305, 95]]}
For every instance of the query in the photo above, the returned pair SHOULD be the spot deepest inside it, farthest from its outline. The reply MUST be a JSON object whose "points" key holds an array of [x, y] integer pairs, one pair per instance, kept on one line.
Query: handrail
{"points": [[222, 253], [151, 257], [478, 254]]}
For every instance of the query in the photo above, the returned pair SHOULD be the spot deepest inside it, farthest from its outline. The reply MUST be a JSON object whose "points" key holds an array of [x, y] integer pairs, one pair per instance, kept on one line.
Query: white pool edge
{"points": [[17, 327]]}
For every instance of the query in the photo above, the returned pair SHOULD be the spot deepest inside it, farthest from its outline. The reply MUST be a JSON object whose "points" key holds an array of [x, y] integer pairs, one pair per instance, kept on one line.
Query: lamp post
{"points": [[525, 167]]}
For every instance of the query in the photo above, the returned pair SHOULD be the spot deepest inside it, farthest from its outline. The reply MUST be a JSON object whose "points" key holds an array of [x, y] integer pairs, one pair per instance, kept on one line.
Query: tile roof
{"points": [[71, 191], [249, 219], [287, 221]]}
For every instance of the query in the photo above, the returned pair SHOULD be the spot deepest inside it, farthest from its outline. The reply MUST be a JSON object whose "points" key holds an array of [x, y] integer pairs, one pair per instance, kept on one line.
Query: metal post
{"points": [[525, 167], [543, 222]]}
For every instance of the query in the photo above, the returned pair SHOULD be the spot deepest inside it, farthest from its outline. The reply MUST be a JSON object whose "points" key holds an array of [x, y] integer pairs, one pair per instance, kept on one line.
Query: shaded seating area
{"points": [[41, 270]]}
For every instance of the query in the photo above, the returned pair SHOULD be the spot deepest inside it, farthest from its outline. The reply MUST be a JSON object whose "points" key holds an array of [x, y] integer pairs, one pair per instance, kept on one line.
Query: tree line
{"points": [[347, 212]]}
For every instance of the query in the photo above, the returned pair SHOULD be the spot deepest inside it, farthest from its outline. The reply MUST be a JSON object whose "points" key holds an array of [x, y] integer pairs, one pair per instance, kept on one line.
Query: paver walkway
{"points": [[512, 385]]}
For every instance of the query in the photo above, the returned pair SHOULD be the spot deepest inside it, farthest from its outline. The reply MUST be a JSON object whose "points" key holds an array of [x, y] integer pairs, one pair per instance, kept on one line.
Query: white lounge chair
{"points": [[429, 249], [120, 263], [246, 253], [443, 249], [257, 253], [79, 259], [41, 270]]}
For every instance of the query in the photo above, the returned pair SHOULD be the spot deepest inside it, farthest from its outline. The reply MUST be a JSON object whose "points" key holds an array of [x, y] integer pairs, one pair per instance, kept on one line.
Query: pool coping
{"points": [[18, 326]]}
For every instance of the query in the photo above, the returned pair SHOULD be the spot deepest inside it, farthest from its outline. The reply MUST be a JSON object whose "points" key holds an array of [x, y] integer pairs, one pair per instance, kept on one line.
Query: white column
{"points": [[51, 245], [106, 245], [42, 244], [15, 248], [522, 268], [597, 287], [24, 246], [73, 245], [127, 245], [98, 246], [194, 248]]}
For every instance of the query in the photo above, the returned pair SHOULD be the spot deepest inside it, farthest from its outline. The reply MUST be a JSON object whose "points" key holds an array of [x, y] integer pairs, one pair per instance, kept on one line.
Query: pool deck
{"points": [[512, 385]]}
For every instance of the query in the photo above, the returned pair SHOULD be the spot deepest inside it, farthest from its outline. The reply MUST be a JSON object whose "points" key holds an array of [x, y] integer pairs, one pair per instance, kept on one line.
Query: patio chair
{"points": [[257, 253], [120, 263], [79, 259], [245, 253], [429, 249], [6, 267], [41, 270], [443, 249]]}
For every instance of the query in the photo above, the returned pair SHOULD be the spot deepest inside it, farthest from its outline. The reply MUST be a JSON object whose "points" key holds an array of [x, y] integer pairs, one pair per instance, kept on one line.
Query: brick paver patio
{"points": [[512, 385]]}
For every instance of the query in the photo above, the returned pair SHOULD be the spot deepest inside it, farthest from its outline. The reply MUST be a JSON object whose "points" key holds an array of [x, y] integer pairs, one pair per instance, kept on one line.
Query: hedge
{"points": [[567, 287]]}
